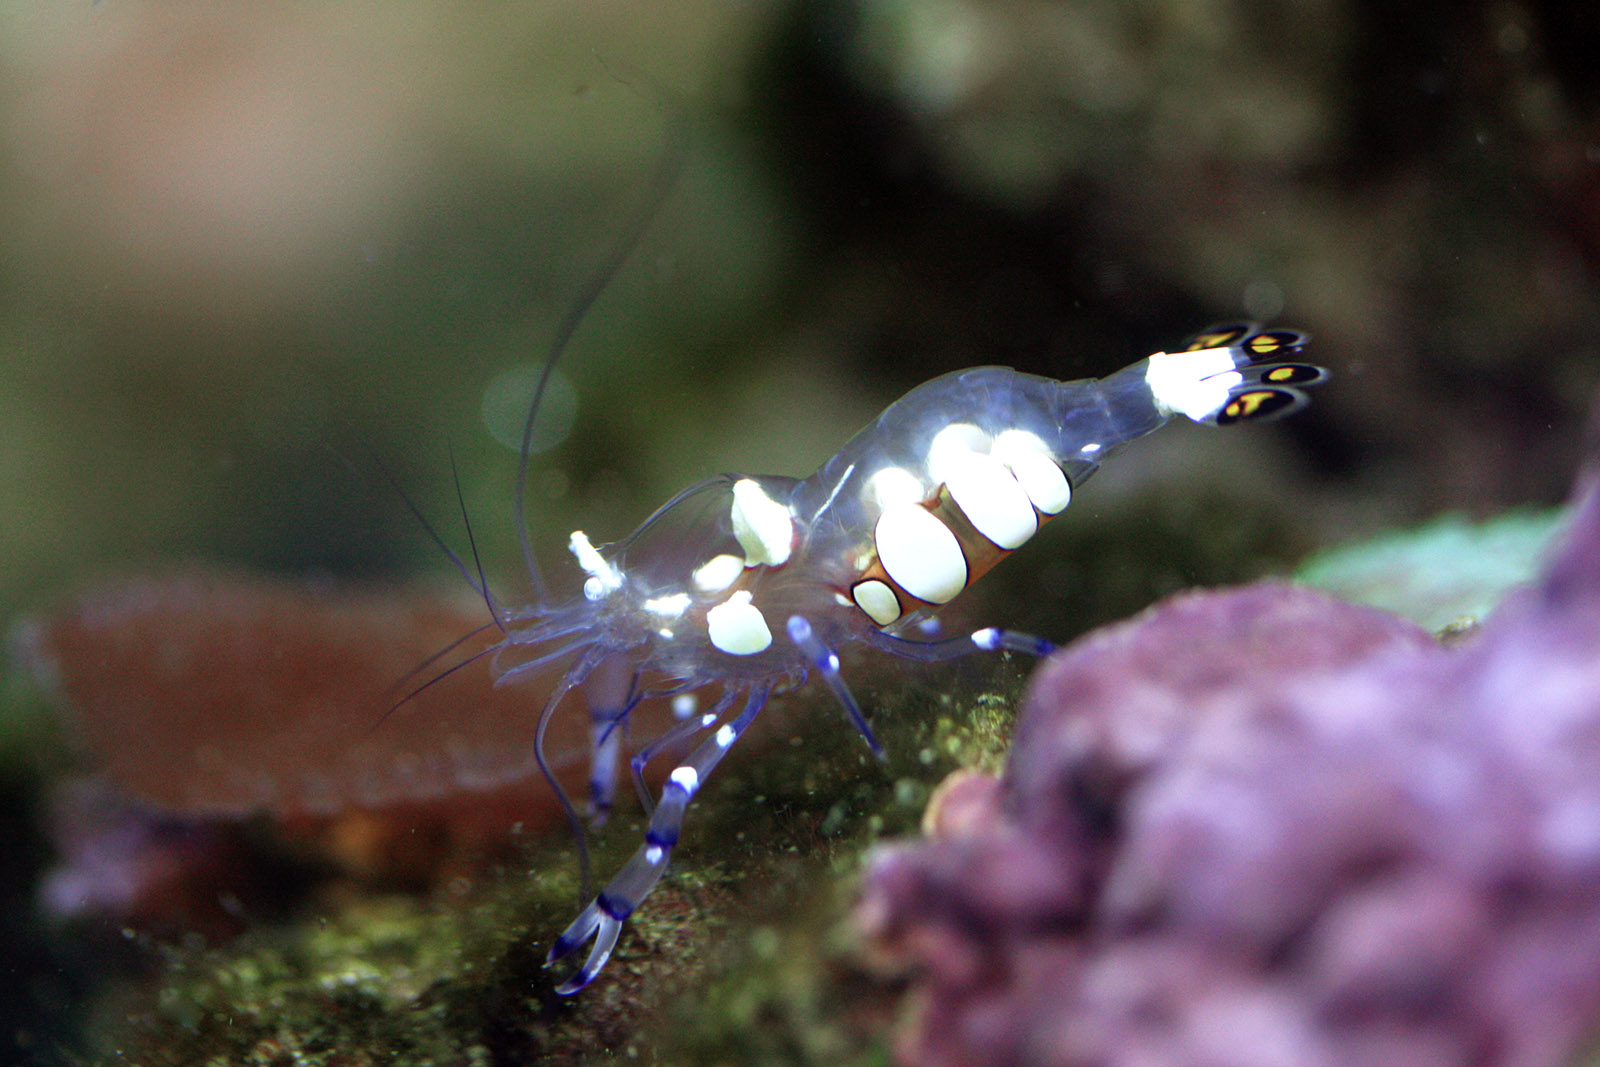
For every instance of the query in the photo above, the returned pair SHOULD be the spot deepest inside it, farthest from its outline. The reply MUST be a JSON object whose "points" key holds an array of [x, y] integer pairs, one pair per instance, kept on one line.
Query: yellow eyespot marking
{"points": [[1263, 343], [1216, 338], [1293, 374], [1246, 405]]}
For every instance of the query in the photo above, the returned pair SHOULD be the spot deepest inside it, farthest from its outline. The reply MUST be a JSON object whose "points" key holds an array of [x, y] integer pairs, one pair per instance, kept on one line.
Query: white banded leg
{"points": [[602, 920], [826, 661]]}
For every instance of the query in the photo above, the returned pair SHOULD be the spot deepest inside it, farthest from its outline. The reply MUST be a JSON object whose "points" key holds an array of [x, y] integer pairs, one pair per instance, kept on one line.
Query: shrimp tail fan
{"points": [[1270, 379]]}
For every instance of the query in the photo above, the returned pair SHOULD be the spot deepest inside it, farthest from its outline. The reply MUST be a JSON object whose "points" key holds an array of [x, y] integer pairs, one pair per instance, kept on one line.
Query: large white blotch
{"points": [[737, 626], [952, 444], [763, 526], [1195, 384], [717, 573], [894, 485], [920, 553], [1030, 462], [991, 499], [877, 600]]}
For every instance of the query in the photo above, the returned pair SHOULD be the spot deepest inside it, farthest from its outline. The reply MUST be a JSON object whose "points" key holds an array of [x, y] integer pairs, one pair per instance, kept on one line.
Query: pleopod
{"points": [[743, 586]]}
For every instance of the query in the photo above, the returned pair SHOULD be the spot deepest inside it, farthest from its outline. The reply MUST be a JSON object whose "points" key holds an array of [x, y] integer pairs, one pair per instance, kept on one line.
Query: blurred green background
{"points": [[251, 246]]}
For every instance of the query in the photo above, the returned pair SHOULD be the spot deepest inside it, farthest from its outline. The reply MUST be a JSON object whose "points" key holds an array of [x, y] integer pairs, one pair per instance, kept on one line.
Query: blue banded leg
{"points": [[986, 640], [602, 920], [679, 731], [826, 662]]}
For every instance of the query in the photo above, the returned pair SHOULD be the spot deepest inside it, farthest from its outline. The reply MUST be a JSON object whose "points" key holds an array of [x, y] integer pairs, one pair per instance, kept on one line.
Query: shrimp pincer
{"points": [[745, 586]]}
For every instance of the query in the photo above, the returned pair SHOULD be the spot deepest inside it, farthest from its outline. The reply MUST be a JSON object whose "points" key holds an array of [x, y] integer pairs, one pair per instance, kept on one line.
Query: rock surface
{"points": [[1260, 826]]}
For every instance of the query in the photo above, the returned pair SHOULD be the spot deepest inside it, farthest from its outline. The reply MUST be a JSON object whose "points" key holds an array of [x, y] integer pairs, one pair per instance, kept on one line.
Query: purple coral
{"points": [[1264, 827]]}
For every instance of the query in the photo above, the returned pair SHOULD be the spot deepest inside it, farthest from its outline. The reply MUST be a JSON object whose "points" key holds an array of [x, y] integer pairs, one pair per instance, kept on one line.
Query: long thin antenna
{"points": [[479, 583], [472, 542], [661, 183], [436, 679]]}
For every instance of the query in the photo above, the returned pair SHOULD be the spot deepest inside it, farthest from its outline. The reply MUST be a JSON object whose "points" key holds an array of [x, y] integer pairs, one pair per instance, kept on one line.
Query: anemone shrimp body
{"points": [[747, 585], [701, 591]]}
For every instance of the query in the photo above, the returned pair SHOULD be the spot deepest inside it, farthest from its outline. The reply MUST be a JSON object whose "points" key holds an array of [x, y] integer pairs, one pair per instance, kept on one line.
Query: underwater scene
{"points": [[929, 532]]}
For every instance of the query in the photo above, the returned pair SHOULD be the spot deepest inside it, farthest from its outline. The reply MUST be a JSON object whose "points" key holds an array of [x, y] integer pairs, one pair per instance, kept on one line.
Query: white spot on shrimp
{"points": [[894, 485], [1194, 384], [718, 572], [951, 443], [1010, 443], [763, 526], [654, 854], [1029, 460], [686, 778], [737, 626], [877, 600], [992, 500], [668, 607], [921, 553], [725, 736]]}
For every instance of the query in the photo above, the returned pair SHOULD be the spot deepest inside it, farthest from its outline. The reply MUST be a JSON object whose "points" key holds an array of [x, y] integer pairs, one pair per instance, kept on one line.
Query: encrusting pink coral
{"points": [[1259, 827]]}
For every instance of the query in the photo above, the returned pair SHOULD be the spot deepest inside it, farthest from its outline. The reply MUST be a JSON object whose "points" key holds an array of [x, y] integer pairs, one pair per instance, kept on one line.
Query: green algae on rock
{"points": [[1441, 575]]}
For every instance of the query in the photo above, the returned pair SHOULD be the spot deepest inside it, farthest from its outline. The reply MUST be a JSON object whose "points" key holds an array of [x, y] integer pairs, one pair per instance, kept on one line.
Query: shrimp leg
{"points": [[609, 692], [688, 728], [985, 640], [826, 661], [602, 920]]}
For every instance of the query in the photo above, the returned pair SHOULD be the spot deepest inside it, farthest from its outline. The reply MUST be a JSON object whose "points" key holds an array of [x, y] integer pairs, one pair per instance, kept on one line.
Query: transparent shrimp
{"points": [[746, 586]]}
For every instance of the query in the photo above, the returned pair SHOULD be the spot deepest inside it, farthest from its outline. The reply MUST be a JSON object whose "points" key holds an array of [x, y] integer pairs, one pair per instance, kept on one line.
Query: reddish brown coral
{"points": [[219, 694], [202, 698], [1261, 826]]}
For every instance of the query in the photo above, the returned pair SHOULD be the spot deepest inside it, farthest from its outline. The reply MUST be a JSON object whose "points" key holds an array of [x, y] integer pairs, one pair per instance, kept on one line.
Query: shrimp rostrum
{"points": [[744, 586]]}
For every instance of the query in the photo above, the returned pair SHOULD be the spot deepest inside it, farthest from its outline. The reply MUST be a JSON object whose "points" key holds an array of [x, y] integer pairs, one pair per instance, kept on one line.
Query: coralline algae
{"points": [[1260, 827]]}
